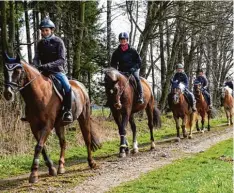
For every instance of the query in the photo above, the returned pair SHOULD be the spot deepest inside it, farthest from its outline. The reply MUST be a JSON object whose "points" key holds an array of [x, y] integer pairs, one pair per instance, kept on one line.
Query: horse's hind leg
{"points": [[62, 142], [133, 127], [85, 125], [149, 112]]}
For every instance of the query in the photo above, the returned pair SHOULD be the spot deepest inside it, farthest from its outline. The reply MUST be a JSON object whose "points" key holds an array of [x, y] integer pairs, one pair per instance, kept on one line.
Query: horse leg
{"points": [[231, 113], [39, 149], [122, 133], [62, 142], [149, 112], [185, 135], [85, 125], [208, 127], [227, 115], [177, 126], [133, 127], [49, 163], [202, 122], [197, 125]]}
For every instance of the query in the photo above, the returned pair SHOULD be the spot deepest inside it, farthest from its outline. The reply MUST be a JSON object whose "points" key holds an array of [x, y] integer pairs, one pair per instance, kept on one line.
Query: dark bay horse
{"points": [[123, 105], [43, 111], [180, 108], [202, 107], [228, 103]]}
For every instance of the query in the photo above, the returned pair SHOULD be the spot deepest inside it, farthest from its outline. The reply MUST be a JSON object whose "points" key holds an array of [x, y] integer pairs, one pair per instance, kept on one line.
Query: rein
{"points": [[13, 84], [126, 83]]}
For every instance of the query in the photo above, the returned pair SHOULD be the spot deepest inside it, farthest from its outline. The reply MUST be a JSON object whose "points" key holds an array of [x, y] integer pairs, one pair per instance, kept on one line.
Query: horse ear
{"points": [[6, 57], [18, 57]]}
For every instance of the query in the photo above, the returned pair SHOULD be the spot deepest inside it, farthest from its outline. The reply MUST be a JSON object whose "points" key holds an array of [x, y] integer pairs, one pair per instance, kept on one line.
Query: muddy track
{"points": [[113, 171]]}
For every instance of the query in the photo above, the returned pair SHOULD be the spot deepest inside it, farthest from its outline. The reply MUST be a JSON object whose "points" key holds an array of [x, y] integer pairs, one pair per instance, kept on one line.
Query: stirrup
{"points": [[67, 117]]}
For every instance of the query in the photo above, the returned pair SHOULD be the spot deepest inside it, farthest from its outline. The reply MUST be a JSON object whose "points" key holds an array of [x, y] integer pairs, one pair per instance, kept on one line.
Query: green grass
{"points": [[21, 164], [208, 172]]}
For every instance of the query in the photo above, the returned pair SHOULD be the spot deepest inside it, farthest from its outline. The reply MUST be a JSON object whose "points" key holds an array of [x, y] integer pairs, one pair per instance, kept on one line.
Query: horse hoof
{"points": [[177, 139], [190, 137], [122, 154], [135, 150], [202, 131], [53, 171], [93, 165], [61, 170], [33, 179]]}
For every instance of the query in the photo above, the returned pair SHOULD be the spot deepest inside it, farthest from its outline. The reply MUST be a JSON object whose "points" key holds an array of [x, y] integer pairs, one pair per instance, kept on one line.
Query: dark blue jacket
{"points": [[203, 81], [124, 61], [181, 77], [229, 84], [52, 53]]}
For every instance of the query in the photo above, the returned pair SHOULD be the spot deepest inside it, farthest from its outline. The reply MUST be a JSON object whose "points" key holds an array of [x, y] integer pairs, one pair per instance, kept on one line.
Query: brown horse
{"points": [[180, 108], [228, 103], [123, 105], [202, 107], [43, 111]]}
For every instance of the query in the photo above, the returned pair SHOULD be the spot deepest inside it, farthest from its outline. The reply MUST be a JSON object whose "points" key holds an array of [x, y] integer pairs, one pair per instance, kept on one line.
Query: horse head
{"points": [[13, 76], [197, 87], [113, 90], [177, 90], [225, 91]]}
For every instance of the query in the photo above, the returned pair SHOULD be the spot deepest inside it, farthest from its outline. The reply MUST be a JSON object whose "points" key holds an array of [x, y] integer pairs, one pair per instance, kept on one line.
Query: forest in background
{"points": [[198, 34]]}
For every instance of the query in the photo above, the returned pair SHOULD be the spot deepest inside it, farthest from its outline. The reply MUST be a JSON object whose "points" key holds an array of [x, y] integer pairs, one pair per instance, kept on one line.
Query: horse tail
{"points": [[156, 118], [95, 142]]}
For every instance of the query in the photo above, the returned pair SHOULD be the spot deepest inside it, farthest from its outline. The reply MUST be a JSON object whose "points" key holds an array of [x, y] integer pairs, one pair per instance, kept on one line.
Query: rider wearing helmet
{"points": [[50, 59], [180, 76], [229, 82], [126, 59], [201, 78]]}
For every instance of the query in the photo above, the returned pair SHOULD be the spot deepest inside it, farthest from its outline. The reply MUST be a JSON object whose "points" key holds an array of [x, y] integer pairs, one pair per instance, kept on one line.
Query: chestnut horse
{"points": [[43, 111], [122, 102], [181, 109], [202, 107], [228, 103]]}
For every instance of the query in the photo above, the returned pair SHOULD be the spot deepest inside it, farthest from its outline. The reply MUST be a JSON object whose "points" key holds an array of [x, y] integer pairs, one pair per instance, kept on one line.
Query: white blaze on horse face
{"points": [[10, 73]]}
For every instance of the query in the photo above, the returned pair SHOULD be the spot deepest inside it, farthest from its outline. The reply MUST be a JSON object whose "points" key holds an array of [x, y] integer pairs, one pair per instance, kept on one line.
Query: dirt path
{"points": [[113, 173]]}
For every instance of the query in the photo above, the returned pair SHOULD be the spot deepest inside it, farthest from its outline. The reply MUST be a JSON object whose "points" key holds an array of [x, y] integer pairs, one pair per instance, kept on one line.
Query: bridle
{"points": [[16, 87]]}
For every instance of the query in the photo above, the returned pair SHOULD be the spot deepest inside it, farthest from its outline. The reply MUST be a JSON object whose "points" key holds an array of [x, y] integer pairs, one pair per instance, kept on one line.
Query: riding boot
{"points": [[140, 93], [194, 108], [67, 115]]}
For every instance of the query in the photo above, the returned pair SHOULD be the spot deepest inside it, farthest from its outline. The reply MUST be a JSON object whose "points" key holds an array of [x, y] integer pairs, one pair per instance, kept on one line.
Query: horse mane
{"points": [[228, 89], [113, 73], [30, 67]]}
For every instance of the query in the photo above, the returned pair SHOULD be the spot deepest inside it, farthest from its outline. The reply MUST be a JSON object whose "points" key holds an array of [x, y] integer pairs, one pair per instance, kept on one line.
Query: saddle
{"points": [[58, 87], [132, 82]]}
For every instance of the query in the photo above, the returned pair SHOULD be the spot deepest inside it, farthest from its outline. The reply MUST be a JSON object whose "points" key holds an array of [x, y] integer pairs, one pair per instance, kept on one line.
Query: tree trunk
{"points": [[12, 29], [108, 32], [4, 26], [27, 21], [77, 51]]}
